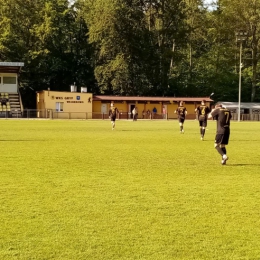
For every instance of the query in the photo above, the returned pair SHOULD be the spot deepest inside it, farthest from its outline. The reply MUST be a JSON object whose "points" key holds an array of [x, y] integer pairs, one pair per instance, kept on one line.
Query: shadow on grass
{"points": [[243, 164], [244, 140], [19, 140], [133, 130]]}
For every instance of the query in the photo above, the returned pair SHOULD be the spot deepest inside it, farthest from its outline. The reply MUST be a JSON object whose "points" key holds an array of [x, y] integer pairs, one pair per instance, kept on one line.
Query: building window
{"points": [[9, 80], [59, 106]]}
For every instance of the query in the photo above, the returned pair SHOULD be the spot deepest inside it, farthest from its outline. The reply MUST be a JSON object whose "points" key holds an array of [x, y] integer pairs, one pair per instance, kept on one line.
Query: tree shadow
{"points": [[244, 140]]}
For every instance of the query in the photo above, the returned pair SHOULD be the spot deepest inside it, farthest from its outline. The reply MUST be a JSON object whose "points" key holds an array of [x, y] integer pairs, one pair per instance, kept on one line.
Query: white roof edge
{"points": [[242, 104], [15, 64]]}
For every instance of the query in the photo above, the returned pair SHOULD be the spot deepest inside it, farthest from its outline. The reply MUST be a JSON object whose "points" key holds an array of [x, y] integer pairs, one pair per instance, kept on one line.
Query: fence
{"points": [[52, 114], [246, 117]]}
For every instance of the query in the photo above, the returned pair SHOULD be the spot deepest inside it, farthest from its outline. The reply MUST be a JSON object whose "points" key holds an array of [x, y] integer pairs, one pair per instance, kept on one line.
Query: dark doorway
{"points": [[131, 109], [246, 111]]}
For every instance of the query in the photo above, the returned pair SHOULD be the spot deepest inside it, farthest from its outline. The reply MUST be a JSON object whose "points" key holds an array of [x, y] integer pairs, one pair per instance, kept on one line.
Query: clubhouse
{"points": [[84, 105]]}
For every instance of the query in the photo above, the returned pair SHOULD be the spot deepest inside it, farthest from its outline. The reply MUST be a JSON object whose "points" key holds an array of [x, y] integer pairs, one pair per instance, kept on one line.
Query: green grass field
{"points": [[78, 190]]}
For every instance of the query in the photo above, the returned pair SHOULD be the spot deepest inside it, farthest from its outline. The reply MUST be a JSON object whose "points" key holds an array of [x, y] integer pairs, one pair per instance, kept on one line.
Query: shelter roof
{"points": [[243, 105], [155, 99], [11, 67]]}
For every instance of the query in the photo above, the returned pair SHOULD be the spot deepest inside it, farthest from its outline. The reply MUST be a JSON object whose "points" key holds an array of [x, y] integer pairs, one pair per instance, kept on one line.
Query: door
{"points": [[103, 108], [131, 106], [164, 111]]}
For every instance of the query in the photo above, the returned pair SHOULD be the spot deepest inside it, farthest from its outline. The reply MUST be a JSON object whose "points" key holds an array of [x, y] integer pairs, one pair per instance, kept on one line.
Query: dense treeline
{"points": [[133, 47]]}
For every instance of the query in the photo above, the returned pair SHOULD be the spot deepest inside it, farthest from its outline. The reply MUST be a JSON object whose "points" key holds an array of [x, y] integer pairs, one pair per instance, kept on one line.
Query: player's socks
{"points": [[203, 132], [224, 159], [224, 150], [219, 150]]}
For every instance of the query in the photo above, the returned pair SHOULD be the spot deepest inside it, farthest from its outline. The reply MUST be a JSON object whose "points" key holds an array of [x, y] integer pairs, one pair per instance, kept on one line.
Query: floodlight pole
{"points": [[239, 83], [241, 37]]}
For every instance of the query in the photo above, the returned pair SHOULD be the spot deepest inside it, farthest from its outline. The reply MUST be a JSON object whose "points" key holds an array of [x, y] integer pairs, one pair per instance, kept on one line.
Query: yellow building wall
{"points": [[73, 105], [96, 106], [170, 108], [122, 107]]}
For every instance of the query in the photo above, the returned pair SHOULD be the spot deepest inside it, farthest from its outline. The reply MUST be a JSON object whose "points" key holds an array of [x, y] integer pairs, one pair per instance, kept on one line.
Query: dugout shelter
{"points": [[10, 99], [164, 106], [248, 110]]}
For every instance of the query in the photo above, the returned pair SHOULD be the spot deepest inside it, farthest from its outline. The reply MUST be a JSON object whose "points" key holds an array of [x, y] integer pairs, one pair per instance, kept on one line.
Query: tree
{"points": [[133, 43], [47, 36], [245, 15]]}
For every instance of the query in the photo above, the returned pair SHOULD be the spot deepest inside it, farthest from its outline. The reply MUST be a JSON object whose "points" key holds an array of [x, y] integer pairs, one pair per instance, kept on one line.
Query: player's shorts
{"points": [[223, 138], [181, 120], [203, 123], [113, 118]]}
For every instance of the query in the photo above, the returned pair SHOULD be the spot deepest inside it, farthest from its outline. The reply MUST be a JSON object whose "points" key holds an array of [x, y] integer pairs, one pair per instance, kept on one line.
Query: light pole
{"points": [[241, 37]]}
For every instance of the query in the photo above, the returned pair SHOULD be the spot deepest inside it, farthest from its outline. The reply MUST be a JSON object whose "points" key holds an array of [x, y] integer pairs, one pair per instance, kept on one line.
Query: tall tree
{"points": [[245, 15], [195, 46], [167, 28], [118, 41], [133, 42]]}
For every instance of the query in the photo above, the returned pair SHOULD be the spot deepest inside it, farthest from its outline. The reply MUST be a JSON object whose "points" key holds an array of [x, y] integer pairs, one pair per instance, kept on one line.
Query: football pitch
{"points": [[78, 190]]}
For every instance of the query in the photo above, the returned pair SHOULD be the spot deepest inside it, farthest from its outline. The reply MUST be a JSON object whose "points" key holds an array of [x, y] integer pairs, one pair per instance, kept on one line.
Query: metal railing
{"points": [[52, 114]]}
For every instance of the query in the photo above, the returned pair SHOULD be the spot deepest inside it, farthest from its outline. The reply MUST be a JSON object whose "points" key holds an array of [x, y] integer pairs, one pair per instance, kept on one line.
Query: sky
{"points": [[209, 4], [71, 1]]}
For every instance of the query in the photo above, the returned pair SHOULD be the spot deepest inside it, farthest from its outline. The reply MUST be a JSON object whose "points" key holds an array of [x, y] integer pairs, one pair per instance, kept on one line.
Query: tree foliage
{"points": [[51, 39]]}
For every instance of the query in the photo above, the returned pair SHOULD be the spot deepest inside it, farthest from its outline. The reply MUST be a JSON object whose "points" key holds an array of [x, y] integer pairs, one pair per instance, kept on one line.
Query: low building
{"points": [[64, 105], [248, 110], [164, 106], [83, 105]]}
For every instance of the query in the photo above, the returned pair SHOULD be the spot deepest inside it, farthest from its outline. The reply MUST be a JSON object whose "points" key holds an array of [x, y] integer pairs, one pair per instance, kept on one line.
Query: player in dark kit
{"points": [[181, 111], [202, 111], [112, 114], [223, 116]]}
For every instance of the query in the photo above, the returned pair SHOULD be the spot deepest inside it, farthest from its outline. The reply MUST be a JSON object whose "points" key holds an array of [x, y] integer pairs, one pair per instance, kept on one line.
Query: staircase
{"points": [[15, 105]]}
